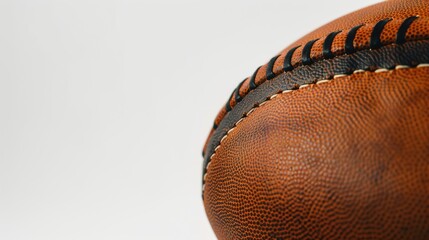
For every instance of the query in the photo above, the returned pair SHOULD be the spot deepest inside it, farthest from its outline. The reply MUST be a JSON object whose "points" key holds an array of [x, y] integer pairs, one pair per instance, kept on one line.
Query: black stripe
{"points": [[252, 84], [287, 65], [270, 73], [327, 45], [306, 51], [215, 126], [375, 41], [237, 92], [350, 40], [402, 32]]}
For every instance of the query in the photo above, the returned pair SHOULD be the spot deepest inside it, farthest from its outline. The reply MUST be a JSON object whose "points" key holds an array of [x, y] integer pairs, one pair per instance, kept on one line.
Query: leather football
{"points": [[330, 138]]}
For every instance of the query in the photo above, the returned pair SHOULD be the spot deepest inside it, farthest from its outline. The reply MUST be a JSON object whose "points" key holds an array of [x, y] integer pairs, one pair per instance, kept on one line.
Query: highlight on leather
{"points": [[330, 138]]}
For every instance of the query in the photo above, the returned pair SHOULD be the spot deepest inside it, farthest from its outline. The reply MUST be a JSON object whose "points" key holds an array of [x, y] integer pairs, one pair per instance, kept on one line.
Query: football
{"points": [[330, 138]]}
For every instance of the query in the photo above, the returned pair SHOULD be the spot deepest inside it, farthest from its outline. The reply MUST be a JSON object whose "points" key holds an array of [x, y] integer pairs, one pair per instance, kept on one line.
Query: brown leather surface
{"points": [[345, 159], [397, 10]]}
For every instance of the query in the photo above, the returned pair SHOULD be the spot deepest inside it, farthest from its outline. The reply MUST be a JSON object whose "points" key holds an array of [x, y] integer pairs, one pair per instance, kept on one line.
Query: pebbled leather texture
{"points": [[347, 159], [335, 145]]}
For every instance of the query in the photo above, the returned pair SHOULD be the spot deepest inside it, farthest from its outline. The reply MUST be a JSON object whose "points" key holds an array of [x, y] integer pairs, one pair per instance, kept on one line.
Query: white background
{"points": [[105, 106]]}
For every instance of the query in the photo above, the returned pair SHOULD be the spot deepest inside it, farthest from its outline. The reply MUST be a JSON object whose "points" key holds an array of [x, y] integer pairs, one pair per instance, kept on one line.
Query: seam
{"points": [[327, 45], [351, 35], [287, 64], [402, 31], [349, 48], [318, 82], [375, 41], [270, 73], [252, 84], [306, 52]]}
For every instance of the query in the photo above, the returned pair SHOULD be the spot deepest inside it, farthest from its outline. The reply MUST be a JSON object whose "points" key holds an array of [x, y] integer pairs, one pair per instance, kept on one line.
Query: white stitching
{"points": [[239, 121], [423, 65], [250, 112], [274, 96], [402, 67], [262, 103], [230, 130], [380, 70], [340, 75], [304, 86], [322, 81]]}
